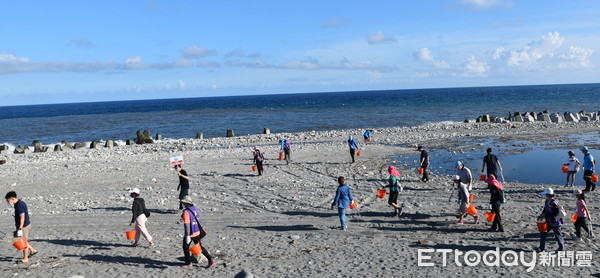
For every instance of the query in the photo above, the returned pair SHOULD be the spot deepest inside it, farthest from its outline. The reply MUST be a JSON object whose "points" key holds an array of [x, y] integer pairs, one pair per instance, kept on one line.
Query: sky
{"points": [[84, 51]]}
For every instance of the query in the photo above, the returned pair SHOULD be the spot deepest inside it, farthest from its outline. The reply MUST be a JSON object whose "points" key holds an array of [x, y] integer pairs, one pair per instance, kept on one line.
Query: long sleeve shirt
{"points": [[343, 196]]}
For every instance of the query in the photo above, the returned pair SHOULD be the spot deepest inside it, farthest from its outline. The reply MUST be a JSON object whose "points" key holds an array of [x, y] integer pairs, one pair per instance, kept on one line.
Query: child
{"points": [[343, 198], [395, 188], [463, 200], [573, 164], [582, 214], [496, 200]]}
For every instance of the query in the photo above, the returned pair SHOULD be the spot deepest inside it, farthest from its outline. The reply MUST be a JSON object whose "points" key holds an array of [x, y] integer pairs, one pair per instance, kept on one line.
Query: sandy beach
{"points": [[279, 224]]}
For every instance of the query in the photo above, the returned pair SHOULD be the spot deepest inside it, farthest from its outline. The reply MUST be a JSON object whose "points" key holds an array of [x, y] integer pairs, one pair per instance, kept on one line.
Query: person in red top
{"points": [[193, 232]]}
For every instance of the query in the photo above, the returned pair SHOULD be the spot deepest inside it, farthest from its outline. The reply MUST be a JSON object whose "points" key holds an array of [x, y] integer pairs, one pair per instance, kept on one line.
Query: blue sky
{"points": [[74, 51]]}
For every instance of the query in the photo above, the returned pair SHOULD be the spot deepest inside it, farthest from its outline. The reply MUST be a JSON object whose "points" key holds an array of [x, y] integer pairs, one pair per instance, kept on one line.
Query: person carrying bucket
{"points": [[549, 215], [583, 215], [139, 218], [184, 183], [572, 168], [491, 162], [193, 232], [465, 174], [589, 164], [258, 160], [286, 148], [496, 200], [423, 163], [342, 199], [463, 200], [395, 188], [22, 224], [353, 147], [367, 136]]}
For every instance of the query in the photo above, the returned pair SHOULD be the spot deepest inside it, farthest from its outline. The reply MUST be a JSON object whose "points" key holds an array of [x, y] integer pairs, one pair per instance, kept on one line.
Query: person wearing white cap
{"points": [[583, 214], [463, 199], [465, 174], [549, 214], [588, 169], [139, 218]]}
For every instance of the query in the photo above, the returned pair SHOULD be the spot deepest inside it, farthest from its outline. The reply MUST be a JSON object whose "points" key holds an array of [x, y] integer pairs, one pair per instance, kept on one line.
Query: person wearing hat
{"points": [[353, 147], [423, 163], [492, 163], [139, 218], [465, 174], [184, 183], [496, 200], [395, 189], [583, 214], [258, 159], [193, 232], [589, 164], [463, 200], [549, 214], [573, 167]]}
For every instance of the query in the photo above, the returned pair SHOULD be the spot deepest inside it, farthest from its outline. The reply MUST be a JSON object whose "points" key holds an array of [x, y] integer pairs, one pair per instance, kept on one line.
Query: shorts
{"points": [[393, 198], [25, 231], [463, 208]]}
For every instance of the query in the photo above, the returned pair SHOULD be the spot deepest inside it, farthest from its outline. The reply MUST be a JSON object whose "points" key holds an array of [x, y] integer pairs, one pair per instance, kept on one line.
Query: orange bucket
{"points": [[565, 169], [574, 218], [358, 153], [368, 140], [196, 249], [595, 178], [542, 227], [482, 177], [421, 170], [130, 235], [489, 216], [20, 244], [353, 205], [281, 156], [471, 197], [254, 168], [472, 210], [381, 193]]}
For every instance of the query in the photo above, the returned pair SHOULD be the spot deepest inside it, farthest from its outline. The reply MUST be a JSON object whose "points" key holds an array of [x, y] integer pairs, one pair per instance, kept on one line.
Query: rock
{"points": [[485, 119], [80, 145], [37, 146], [266, 131], [199, 135], [295, 237], [570, 117], [557, 118], [544, 117], [66, 145], [2, 161], [143, 137], [95, 145], [129, 142], [528, 118], [22, 149], [499, 120], [4, 147], [244, 274], [517, 118], [230, 133], [585, 118], [57, 148], [158, 136], [533, 115], [109, 144]]}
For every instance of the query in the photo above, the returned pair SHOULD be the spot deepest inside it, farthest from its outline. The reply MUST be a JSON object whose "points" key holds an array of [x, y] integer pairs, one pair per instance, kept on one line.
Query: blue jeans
{"points": [[342, 214], [557, 234]]}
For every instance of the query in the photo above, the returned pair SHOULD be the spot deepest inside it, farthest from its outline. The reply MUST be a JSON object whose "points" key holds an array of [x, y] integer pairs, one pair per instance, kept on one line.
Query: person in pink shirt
{"points": [[582, 214]]}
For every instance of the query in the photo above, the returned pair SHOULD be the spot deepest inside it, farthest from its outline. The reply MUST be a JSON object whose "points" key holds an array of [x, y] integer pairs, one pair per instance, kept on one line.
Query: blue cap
{"points": [[584, 148], [458, 163]]}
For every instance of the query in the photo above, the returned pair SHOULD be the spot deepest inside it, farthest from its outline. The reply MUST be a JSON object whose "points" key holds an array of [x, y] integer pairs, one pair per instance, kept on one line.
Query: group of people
{"points": [[285, 148]]}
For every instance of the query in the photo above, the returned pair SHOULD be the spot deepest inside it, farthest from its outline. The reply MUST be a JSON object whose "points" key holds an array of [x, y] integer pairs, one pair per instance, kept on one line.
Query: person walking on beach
{"points": [[22, 224], [589, 164], [465, 174], [492, 163], [258, 159], [193, 232], [573, 167], [395, 188], [184, 183], [463, 200], [367, 136], [423, 163], [549, 215], [287, 150], [353, 147], [583, 215], [343, 198], [496, 200], [139, 218]]}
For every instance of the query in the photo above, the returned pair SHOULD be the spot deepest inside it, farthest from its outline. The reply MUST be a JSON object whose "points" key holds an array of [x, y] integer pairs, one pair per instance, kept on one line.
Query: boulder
{"points": [[109, 144], [533, 115], [557, 118], [129, 142], [528, 118], [266, 130], [570, 117], [37, 146], [230, 133], [80, 145], [244, 274], [95, 144], [143, 137], [544, 117], [57, 148], [585, 118], [4, 147], [499, 120], [159, 136], [517, 118], [66, 145], [199, 135], [22, 150]]}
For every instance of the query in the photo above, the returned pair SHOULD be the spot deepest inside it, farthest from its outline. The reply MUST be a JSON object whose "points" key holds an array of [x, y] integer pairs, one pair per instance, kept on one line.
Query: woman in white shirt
{"points": [[573, 164]]}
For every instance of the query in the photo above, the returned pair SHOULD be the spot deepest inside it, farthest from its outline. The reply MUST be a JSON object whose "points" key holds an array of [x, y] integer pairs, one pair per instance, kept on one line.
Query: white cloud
{"points": [[380, 37], [9, 58], [311, 63], [424, 55], [335, 22], [474, 68], [194, 51], [136, 63], [483, 4]]}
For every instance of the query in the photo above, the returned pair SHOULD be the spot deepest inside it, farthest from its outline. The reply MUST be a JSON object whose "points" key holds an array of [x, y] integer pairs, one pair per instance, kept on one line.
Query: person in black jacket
{"points": [[139, 218], [184, 183], [496, 200]]}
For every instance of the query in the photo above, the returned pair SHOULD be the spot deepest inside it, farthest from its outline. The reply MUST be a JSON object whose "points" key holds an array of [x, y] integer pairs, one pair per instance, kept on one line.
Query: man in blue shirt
{"points": [[22, 223], [588, 169]]}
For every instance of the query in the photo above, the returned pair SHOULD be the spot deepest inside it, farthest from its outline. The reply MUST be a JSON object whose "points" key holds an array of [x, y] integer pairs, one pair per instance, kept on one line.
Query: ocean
{"points": [[182, 118]]}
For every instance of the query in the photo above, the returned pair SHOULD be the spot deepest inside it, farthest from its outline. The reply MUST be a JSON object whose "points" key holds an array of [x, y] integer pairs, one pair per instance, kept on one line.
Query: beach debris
{"points": [[2, 161]]}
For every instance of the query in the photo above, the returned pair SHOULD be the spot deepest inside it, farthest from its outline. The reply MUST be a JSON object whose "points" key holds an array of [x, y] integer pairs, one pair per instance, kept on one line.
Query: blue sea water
{"points": [[182, 118]]}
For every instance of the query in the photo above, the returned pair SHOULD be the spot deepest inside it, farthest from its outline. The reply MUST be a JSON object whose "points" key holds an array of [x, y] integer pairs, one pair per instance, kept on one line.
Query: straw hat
{"points": [[548, 191], [187, 200]]}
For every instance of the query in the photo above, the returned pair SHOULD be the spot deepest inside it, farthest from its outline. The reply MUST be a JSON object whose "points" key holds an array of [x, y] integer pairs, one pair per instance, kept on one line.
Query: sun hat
{"points": [[135, 190], [548, 191], [576, 192], [458, 164], [456, 178], [187, 200], [584, 148]]}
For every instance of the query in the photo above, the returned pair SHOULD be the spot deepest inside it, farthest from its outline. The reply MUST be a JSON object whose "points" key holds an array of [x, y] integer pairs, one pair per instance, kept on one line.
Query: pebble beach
{"points": [[279, 224]]}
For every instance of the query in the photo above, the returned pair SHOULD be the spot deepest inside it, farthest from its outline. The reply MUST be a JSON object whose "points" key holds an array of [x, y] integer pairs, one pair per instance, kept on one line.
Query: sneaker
{"points": [[212, 263], [151, 245], [135, 244], [476, 217], [400, 211], [460, 223], [187, 265]]}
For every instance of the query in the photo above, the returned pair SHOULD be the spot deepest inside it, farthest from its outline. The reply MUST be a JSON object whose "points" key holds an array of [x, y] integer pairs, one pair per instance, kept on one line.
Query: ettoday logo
{"points": [[495, 258]]}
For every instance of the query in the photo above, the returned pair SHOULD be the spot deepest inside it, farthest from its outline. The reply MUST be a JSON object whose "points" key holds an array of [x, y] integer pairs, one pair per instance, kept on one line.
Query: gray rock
{"points": [[585, 118], [159, 136], [544, 117], [557, 118], [244, 274], [109, 144], [4, 147], [528, 118], [199, 135], [570, 117], [230, 133], [266, 131], [22, 149], [499, 120], [143, 137], [80, 145], [129, 142], [37, 146], [57, 148], [66, 145], [95, 145], [518, 118]]}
